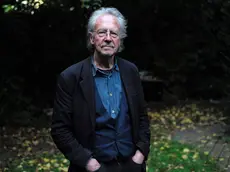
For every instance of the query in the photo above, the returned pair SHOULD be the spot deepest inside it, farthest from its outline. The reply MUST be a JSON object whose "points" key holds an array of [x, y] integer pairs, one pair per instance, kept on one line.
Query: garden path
{"points": [[211, 139]]}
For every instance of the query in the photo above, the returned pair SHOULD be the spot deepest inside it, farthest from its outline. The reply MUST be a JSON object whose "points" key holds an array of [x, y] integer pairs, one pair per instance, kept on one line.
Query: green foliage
{"points": [[169, 155], [8, 8], [176, 157], [31, 6], [24, 6]]}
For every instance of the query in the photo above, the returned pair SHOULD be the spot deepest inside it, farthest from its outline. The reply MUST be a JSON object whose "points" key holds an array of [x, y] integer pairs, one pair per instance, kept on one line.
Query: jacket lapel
{"points": [[87, 87], [126, 78]]}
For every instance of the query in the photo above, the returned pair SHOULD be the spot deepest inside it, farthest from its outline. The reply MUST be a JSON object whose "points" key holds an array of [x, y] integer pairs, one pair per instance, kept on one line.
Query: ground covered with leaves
{"points": [[32, 149], [177, 157]]}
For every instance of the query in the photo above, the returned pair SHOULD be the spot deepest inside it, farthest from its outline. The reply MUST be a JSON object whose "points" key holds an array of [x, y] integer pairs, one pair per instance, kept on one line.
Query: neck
{"points": [[103, 62]]}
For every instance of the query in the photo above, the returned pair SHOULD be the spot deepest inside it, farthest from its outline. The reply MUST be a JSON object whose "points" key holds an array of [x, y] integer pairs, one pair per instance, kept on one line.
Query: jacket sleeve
{"points": [[144, 131], [62, 126]]}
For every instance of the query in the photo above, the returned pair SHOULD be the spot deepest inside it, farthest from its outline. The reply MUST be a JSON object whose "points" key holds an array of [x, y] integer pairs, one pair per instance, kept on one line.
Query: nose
{"points": [[108, 36]]}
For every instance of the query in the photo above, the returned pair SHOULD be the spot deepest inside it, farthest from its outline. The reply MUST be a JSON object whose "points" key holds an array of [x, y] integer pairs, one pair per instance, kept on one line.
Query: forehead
{"points": [[107, 21]]}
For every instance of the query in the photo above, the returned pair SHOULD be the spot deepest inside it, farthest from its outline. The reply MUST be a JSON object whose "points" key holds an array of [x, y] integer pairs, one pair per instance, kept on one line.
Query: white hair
{"points": [[114, 12]]}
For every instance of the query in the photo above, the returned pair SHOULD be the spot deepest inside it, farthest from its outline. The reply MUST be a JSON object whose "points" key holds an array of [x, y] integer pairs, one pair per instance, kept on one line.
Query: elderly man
{"points": [[99, 120]]}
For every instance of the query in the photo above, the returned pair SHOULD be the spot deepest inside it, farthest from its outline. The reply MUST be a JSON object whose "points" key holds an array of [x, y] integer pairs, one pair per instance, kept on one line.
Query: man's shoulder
{"points": [[127, 64]]}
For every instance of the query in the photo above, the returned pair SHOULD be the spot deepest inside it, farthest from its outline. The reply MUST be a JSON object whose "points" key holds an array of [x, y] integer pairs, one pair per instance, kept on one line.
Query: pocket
{"points": [[135, 163], [131, 166], [134, 167], [101, 169]]}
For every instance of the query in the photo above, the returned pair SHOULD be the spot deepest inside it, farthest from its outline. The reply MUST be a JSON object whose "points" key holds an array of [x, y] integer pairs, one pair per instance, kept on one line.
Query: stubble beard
{"points": [[105, 54]]}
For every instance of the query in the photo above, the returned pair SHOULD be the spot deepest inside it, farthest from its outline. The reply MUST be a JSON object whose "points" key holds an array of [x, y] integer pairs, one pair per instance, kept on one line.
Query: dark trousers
{"points": [[120, 166]]}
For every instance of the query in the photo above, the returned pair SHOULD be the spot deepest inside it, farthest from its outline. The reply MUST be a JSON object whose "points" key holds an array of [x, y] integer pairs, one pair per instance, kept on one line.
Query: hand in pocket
{"points": [[138, 158]]}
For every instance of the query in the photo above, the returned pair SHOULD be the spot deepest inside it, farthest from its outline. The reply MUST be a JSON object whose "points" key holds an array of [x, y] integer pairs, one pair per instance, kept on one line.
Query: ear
{"points": [[91, 37]]}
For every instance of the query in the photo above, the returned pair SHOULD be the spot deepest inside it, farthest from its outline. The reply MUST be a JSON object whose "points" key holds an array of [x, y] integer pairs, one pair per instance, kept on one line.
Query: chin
{"points": [[107, 54]]}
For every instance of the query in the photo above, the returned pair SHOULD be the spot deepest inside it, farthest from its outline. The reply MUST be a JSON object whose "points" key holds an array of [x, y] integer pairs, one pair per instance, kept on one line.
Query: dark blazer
{"points": [[73, 120]]}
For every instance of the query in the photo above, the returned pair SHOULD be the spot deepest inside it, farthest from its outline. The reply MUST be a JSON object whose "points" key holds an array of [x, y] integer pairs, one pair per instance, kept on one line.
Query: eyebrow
{"points": [[107, 29]]}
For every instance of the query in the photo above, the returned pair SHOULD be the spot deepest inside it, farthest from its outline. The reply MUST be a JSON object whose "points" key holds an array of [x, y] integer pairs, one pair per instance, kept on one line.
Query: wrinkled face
{"points": [[105, 37]]}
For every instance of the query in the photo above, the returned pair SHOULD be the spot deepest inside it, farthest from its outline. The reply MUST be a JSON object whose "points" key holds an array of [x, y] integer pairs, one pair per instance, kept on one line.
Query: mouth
{"points": [[107, 46]]}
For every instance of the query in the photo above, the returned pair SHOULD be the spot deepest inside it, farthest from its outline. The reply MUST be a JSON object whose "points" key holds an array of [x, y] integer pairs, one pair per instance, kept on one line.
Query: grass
{"points": [[43, 162], [176, 157], [165, 155]]}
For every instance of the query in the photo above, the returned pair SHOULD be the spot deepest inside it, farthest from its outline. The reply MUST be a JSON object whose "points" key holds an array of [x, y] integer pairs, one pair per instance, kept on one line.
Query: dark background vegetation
{"points": [[184, 44]]}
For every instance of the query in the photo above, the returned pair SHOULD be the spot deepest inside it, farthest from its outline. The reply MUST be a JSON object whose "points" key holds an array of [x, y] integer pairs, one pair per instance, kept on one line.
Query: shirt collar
{"points": [[95, 69]]}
